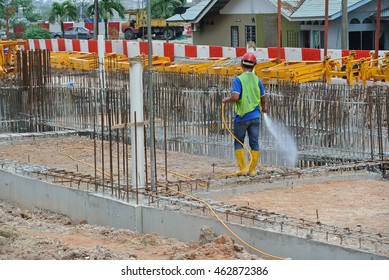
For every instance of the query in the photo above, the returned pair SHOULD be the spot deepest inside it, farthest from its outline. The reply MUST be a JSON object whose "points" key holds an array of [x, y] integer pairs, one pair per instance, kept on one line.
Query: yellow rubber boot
{"points": [[254, 161], [240, 158]]}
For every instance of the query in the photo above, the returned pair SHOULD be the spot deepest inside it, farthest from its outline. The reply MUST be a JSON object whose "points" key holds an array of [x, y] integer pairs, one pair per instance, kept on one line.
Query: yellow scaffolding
{"points": [[348, 68], [8, 51]]}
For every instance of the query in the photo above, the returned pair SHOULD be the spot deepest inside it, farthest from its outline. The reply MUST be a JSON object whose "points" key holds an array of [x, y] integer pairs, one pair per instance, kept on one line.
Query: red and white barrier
{"points": [[173, 50]]}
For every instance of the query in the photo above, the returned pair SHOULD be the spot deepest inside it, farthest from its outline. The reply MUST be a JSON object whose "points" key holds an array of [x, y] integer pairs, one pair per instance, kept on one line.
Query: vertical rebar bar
{"points": [[136, 160]]}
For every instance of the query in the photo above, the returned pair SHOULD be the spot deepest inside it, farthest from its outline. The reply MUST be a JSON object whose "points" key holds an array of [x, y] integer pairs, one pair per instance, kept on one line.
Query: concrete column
{"points": [[136, 109], [101, 51]]}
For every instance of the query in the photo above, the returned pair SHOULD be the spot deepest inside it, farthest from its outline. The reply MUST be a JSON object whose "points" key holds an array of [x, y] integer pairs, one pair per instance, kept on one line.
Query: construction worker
{"points": [[248, 96]]}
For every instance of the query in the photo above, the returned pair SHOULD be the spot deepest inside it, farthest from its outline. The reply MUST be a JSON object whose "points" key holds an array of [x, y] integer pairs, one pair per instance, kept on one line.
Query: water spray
{"points": [[284, 140]]}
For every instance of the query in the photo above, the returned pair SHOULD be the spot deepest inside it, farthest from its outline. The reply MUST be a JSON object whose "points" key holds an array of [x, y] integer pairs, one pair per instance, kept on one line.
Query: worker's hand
{"points": [[263, 109], [231, 99]]}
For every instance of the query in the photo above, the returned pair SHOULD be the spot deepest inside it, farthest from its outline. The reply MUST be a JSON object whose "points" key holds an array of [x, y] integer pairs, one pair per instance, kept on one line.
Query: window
{"points": [[250, 33], [367, 20], [368, 40], [355, 21], [354, 39], [234, 36], [318, 39], [362, 35], [361, 40], [292, 39]]}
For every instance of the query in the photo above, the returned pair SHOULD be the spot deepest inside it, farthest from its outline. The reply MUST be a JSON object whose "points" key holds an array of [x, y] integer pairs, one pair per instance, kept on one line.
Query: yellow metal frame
{"points": [[7, 60], [353, 70]]}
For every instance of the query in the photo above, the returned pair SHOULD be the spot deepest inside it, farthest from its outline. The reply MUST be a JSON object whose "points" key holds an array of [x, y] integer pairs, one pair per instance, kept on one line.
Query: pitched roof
{"points": [[294, 10], [196, 12], [300, 9]]}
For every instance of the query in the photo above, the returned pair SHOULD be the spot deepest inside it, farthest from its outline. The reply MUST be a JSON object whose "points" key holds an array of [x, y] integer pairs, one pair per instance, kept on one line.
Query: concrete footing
{"points": [[93, 208]]}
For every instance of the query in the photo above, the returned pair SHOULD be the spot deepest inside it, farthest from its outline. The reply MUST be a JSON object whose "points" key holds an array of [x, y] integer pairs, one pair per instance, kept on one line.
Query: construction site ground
{"points": [[360, 205]]}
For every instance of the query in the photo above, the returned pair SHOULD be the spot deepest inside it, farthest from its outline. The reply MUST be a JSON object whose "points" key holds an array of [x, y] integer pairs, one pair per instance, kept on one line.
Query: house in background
{"points": [[234, 23]]}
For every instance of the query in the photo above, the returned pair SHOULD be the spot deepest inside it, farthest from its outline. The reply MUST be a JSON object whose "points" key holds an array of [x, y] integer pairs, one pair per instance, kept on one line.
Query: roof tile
{"points": [[311, 8]]}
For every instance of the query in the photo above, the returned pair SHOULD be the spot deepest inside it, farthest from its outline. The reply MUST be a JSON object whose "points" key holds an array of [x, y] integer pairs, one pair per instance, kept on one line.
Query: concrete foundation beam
{"points": [[93, 208]]}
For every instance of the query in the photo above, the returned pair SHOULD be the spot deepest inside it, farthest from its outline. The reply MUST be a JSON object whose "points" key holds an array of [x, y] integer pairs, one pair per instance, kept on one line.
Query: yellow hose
{"points": [[75, 159], [244, 146], [226, 226]]}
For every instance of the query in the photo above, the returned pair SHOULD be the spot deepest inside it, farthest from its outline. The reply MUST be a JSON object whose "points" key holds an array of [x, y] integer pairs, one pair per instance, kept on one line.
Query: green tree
{"points": [[36, 32], [165, 8], [26, 6], [12, 7], [60, 12], [106, 10]]}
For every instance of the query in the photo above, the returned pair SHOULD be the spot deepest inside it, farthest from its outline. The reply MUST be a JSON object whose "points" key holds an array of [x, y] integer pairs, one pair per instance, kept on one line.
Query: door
{"points": [[305, 39]]}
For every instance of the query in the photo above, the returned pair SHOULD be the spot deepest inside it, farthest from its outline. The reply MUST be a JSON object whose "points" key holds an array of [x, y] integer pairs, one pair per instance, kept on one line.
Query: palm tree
{"points": [[60, 12], [106, 9], [164, 8]]}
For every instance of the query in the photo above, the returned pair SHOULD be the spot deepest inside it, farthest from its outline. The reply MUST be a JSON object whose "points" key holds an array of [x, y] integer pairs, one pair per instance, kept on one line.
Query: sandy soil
{"points": [[357, 205], [360, 205]]}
